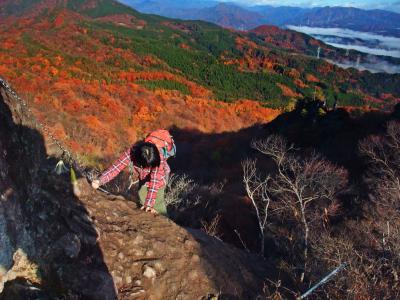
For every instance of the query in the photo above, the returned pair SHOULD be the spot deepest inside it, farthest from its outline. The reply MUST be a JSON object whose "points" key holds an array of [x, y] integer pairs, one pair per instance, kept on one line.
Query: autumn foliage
{"points": [[103, 79]]}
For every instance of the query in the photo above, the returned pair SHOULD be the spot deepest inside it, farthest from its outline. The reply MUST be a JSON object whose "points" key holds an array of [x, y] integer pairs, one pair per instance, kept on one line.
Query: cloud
{"points": [[364, 4], [373, 67], [369, 43], [362, 41], [364, 49]]}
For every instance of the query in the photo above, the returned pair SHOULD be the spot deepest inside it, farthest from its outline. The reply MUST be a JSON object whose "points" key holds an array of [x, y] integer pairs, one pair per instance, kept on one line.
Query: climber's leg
{"points": [[160, 205]]}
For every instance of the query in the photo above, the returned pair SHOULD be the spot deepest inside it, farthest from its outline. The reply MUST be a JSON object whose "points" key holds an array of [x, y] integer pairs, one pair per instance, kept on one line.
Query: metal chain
{"points": [[323, 281], [66, 154]]}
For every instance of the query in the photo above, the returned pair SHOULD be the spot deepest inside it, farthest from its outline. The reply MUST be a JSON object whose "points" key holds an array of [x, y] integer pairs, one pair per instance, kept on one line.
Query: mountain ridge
{"points": [[384, 22]]}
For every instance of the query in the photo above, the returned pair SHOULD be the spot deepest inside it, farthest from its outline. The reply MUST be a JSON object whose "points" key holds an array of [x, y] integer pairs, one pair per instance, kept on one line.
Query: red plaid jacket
{"points": [[154, 178]]}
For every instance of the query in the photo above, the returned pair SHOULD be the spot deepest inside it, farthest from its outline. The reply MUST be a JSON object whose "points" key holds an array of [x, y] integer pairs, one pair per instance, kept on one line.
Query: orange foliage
{"points": [[74, 146], [144, 114], [286, 91], [105, 116], [59, 131], [368, 98], [8, 44], [59, 20], [36, 68], [53, 71], [293, 73], [299, 83], [3, 70], [268, 64], [114, 107], [184, 46], [195, 89], [149, 60], [93, 122], [386, 96], [311, 78], [73, 106], [231, 62], [133, 76], [241, 42], [325, 68], [131, 134]]}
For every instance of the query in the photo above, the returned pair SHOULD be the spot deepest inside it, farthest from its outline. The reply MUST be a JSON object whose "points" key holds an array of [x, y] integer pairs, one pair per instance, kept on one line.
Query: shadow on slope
{"points": [[216, 158], [56, 244], [44, 226]]}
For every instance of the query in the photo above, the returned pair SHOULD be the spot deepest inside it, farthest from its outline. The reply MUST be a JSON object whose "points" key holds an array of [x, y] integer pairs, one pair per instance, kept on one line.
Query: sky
{"points": [[393, 5]]}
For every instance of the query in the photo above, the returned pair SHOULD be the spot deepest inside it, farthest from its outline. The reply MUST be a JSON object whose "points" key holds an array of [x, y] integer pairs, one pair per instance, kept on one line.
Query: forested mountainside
{"points": [[248, 110], [80, 63]]}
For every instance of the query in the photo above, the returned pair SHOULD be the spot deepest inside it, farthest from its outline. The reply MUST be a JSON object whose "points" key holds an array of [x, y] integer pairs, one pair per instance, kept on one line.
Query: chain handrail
{"points": [[66, 154], [323, 281]]}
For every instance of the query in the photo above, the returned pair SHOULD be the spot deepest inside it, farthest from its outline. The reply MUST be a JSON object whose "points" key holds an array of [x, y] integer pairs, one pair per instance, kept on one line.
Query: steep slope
{"points": [[56, 244], [291, 40]]}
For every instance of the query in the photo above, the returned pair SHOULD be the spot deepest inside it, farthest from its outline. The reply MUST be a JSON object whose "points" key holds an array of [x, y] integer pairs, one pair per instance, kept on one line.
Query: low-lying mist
{"points": [[370, 43], [374, 66]]}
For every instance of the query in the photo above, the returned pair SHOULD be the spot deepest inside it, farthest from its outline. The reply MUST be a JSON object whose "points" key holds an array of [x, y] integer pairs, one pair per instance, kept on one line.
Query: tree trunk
{"points": [[306, 232]]}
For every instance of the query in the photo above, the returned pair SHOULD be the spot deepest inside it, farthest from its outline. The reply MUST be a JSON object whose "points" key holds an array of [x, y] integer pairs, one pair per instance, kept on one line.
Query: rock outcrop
{"points": [[54, 244]]}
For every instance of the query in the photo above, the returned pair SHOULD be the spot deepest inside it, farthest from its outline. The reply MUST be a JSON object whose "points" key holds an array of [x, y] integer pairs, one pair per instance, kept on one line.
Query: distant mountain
{"points": [[224, 14], [229, 15], [377, 21], [241, 17], [169, 8], [281, 15]]}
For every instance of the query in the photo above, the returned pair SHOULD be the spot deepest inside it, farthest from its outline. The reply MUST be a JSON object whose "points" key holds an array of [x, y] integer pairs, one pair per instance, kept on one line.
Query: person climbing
{"points": [[148, 159]]}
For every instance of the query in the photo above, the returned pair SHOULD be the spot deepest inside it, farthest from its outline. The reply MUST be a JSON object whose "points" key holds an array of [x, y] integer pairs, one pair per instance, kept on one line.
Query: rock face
{"points": [[54, 244], [16, 142]]}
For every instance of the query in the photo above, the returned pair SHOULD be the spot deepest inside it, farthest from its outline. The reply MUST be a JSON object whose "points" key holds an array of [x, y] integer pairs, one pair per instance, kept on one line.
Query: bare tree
{"points": [[211, 228], [297, 184], [257, 191], [179, 188], [383, 177], [383, 155]]}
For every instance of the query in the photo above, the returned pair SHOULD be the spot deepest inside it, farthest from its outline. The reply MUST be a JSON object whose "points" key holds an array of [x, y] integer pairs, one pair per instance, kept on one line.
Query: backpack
{"points": [[163, 141]]}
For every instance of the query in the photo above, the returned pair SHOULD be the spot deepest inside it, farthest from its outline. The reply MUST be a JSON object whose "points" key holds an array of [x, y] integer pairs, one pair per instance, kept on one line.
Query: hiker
{"points": [[148, 159]]}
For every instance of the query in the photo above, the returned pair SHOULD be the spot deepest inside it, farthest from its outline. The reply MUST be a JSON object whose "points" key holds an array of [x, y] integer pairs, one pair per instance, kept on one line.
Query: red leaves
{"points": [[184, 46], [311, 78], [59, 20], [73, 106], [286, 91]]}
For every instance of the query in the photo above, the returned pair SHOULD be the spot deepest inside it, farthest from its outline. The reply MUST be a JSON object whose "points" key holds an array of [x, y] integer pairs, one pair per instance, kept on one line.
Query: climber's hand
{"points": [[96, 184], [149, 209]]}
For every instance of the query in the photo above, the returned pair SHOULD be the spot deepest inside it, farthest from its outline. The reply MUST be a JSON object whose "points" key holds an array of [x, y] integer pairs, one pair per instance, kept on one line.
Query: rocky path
{"points": [[150, 257]]}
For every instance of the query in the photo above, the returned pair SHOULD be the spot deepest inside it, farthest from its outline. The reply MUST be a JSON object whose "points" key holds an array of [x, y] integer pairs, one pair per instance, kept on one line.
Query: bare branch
{"points": [[298, 183]]}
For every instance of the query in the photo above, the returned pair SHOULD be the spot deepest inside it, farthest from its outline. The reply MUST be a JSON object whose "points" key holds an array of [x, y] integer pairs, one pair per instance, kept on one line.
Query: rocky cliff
{"points": [[55, 244]]}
